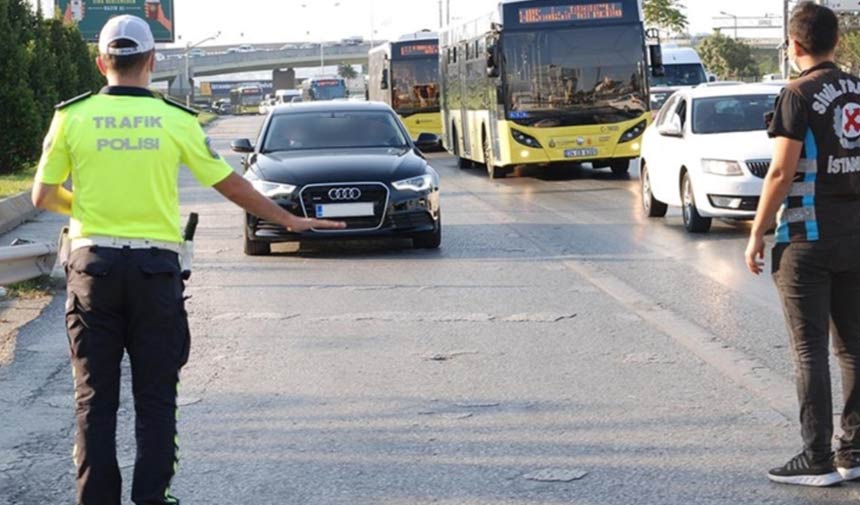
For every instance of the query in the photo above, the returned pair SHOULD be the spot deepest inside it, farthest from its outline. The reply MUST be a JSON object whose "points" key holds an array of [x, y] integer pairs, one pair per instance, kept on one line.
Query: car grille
{"points": [[759, 168], [375, 193]]}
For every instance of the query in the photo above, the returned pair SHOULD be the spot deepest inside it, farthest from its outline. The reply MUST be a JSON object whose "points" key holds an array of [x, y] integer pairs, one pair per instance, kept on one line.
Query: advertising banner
{"points": [[91, 15]]}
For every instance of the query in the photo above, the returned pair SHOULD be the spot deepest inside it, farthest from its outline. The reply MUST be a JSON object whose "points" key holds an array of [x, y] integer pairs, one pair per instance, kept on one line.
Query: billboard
{"points": [[91, 15]]}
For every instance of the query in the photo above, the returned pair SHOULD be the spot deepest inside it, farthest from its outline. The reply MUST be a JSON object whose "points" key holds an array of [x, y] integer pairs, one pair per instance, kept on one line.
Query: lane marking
{"points": [[773, 388]]}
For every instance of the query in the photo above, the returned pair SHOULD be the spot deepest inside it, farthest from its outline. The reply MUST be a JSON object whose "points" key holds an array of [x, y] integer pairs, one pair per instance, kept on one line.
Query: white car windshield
{"points": [[728, 114]]}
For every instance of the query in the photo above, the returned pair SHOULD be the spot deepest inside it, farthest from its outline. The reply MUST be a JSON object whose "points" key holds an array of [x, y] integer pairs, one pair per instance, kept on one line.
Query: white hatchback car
{"points": [[708, 152]]}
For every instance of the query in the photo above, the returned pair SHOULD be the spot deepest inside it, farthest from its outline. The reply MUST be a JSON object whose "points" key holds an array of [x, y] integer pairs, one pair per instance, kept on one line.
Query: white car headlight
{"points": [[421, 183], [722, 167], [273, 189]]}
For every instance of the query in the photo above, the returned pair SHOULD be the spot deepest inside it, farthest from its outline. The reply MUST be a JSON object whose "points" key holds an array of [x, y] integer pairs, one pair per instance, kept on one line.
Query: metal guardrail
{"points": [[26, 261]]}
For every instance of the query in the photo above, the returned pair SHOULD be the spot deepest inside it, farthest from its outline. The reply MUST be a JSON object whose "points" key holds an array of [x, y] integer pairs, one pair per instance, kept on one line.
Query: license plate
{"points": [[580, 153], [339, 210]]}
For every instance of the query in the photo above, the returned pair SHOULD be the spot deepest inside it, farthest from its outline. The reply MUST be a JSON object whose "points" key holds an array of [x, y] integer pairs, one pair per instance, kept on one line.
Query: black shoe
{"points": [[802, 471], [848, 464]]}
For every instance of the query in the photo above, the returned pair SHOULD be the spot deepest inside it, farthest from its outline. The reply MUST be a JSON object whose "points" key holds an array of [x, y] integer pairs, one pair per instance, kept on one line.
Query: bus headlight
{"points": [[635, 132], [526, 140]]}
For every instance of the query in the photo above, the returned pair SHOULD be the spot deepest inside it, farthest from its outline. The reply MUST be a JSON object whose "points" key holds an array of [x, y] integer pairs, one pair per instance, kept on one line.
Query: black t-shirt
{"points": [[822, 110]]}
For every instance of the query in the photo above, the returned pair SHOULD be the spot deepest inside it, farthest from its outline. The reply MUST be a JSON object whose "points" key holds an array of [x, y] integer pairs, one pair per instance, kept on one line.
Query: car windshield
{"points": [[688, 74], [333, 130], [727, 114], [415, 84], [575, 76]]}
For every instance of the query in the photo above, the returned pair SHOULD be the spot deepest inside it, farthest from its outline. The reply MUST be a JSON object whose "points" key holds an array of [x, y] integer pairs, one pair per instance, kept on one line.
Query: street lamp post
{"points": [[322, 44], [724, 13], [189, 94]]}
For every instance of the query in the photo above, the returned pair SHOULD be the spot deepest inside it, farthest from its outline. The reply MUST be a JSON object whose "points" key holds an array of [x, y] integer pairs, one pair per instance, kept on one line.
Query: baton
{"points": [[188, 246], [191, 227]]}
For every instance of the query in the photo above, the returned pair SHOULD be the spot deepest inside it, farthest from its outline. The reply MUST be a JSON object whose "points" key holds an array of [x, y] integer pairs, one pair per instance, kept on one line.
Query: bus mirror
{"points": [[384, 83], [492, 62], [655, 53]]}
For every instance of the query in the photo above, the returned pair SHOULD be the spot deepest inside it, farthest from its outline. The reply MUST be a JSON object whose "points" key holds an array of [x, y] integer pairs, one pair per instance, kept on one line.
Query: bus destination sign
{"points": [[568, 13], [327, 82], [419, 50]]}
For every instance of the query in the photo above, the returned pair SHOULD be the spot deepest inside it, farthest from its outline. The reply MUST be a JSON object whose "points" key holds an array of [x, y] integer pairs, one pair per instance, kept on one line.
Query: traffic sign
{"points": [[92, 15]]}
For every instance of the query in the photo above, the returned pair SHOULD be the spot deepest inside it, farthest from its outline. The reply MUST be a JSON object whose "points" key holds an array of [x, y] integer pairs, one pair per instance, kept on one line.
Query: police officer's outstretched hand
{"points": [[240, 192], [300, 224]]}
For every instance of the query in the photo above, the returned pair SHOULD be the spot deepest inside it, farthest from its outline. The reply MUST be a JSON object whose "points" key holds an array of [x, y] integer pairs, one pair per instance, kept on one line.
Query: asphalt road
{"points": [[555, 330]]}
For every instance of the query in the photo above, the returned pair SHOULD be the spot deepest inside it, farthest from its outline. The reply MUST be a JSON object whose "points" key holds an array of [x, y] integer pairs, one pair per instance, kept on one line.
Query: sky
{"points": [[260, 21]]}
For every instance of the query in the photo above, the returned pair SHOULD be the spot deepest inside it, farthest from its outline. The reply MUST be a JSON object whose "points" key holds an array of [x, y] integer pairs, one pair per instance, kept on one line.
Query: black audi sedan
{"points": [[349, 161]]}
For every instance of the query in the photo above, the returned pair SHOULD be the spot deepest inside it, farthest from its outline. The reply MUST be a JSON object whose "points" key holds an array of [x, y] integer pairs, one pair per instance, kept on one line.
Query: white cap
{"points": [[130, 28]]}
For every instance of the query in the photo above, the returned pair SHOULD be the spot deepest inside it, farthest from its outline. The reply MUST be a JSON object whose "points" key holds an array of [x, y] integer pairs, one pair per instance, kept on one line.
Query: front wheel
{"points": [[429, 240], [493, 171], [255, 247], [651, 206], [693, 221], [620, 167]]}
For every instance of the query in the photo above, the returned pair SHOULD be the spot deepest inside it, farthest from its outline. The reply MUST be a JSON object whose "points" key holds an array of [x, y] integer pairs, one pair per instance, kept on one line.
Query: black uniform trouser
{"points": [[125, 300], [819, 283]]}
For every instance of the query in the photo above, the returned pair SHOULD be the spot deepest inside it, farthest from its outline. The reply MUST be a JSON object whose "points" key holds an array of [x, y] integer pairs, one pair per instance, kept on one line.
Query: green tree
{"points": [[848, 54], [19, 122], [65, 69], [42, 78], [347, 71], [728, 58], [666, 14], [83, 59]]}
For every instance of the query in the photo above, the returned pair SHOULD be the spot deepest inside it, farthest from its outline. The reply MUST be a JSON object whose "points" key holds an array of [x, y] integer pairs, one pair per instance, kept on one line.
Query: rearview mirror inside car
{"points": [[242, 146]]}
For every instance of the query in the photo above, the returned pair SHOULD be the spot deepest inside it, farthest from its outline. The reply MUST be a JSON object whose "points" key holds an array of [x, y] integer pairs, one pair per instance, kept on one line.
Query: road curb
{"points": [[15, 211]]}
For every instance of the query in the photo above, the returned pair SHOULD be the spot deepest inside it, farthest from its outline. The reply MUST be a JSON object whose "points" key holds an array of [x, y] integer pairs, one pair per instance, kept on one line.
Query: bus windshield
{"points": [[575, 76], [687, 74], [328, 89], [415, 85]]}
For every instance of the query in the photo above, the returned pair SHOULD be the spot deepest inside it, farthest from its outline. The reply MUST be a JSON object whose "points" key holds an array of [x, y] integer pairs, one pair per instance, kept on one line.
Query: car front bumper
{"points": [[403, 215], [732, 197]]}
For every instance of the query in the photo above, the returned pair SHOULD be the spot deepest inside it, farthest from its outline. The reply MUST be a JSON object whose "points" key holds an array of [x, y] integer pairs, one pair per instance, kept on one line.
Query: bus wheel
{"points": [[620, 167], [462, 163], [492, 170]]}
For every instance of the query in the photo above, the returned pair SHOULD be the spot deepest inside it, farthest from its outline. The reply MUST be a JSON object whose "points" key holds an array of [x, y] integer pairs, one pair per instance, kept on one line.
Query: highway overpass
{"points": [[173, 70]]}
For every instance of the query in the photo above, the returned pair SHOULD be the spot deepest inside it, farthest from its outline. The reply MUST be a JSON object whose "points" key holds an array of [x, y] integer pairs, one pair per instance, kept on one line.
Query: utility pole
{"points": [[448, 10], [441, 16]]}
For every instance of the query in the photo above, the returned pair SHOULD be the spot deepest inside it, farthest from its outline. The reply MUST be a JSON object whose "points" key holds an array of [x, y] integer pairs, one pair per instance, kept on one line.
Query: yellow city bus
{"points": [[405, 75], [543, 82], [246, 99]]}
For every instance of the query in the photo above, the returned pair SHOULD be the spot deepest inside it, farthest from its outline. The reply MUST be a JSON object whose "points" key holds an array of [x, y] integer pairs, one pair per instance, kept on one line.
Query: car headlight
{"points": [[635, 132], [272, 189], [722, 167], [420, 183], [525, 139]]}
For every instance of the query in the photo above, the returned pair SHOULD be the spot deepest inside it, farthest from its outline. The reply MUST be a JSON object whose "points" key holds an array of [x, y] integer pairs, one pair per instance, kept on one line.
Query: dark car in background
{"points": [[348, 161]]}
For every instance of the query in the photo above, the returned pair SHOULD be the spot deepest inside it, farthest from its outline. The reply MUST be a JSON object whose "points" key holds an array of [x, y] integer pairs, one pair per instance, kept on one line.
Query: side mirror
{"points": [[428, 142], [673, 128], [655, 54], [384, 83], [242, 146], [492, 61], [712, 78]]}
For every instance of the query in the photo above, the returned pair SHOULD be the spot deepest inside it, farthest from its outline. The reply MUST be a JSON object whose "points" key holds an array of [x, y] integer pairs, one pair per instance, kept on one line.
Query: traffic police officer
{"points": [[123, 148]]}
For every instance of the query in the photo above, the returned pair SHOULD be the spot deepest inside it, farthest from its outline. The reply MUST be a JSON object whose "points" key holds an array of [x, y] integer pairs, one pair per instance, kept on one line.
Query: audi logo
{"points": [[344, 194]]}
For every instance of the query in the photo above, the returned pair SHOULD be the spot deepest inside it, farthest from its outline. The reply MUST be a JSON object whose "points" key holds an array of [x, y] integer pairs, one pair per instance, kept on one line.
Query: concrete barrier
{"points": [[15, 210]]}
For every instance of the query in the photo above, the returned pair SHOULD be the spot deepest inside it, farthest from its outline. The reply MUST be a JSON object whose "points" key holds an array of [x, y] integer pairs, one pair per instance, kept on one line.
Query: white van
{"points": [[684, 69], [287, 96]]}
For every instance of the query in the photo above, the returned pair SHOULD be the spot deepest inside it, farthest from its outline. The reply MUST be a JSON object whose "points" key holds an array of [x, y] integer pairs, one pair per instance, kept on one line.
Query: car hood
{"points": [[348, 165], [740, 146]]}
